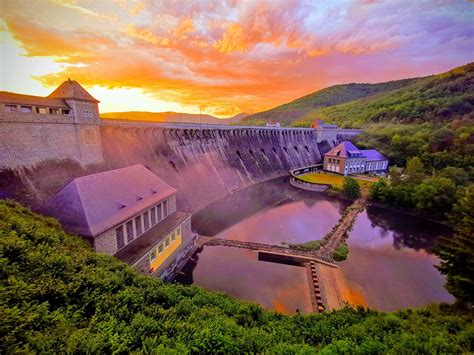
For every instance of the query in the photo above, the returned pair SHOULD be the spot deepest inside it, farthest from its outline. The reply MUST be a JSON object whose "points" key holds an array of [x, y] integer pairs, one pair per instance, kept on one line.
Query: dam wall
{"points": [[207, 163], [204, 162]]}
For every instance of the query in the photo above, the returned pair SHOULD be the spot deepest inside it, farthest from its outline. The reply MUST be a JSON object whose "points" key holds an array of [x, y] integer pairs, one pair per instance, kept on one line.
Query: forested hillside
{"points": [[437, 98], [333, 95], [58, 296]]}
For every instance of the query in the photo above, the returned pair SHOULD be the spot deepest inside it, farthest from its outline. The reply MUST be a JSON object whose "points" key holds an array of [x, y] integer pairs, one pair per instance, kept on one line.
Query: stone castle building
{"points": [[65, 124], [347, 159], [130, 213]]}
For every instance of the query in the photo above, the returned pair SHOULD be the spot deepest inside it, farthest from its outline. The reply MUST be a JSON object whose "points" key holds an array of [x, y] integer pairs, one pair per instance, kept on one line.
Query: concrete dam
{"points": [[204, 163]]}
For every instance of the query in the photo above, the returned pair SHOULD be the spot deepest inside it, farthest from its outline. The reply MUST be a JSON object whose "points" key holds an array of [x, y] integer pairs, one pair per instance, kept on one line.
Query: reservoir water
{"points": [[389, 263]]}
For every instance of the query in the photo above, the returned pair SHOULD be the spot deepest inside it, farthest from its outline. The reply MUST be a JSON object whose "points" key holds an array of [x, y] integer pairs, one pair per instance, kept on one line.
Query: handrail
{"points": [[307, 185]]}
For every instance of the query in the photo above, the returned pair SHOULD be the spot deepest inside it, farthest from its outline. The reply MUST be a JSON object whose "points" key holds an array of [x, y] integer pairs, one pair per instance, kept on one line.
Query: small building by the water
{"points": [[130, 213], [347, 159]]}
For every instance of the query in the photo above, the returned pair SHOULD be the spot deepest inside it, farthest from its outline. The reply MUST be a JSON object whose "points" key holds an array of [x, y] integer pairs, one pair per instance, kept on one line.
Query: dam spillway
{"points": [[207, 163]]}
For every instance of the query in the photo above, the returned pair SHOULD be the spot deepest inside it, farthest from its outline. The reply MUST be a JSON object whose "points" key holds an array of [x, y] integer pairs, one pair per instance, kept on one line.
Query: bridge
{"points": [[301, 255]]}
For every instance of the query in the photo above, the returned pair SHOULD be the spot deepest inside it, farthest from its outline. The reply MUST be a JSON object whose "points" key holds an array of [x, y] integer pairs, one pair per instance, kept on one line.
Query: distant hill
{"points": [[171, 117], [438, 97]]}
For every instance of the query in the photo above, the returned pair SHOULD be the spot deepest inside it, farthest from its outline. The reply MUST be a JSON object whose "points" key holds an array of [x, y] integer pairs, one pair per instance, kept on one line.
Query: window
{"points": [[173, 236], [160, 248], [41, 110], [160, 212], [165, 208], [87, 113], [119, 237], [10, 108], [167, 242], [54, 111], [146, 220], [153, 255], [26, 109], [138, 224], [66, 112], [129, 227], [153, 216]]}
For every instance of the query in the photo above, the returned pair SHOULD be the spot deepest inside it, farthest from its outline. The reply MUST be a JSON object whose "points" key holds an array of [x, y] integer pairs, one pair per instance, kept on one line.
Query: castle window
{"points": [[165, 208], [26, 109], [153, 216], [129, 227], [41, 110], [160, 212], [146, 220], [138, 224], [66, 112], [10, 108], [54, 111], [119, 237]]}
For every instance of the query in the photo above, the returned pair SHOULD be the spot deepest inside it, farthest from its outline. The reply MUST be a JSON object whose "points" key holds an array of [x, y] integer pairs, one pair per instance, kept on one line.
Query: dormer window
{"points": [[139, 198], [153, 191], [54, 111]]}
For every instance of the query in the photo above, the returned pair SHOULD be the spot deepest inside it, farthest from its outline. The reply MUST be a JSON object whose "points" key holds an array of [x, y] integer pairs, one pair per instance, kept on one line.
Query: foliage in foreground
{"points": [[57, 295]]}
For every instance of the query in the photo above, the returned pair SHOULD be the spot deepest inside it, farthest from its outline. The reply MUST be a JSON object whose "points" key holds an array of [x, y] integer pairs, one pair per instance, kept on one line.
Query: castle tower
{"points": [[63, 125], [85, 108]]}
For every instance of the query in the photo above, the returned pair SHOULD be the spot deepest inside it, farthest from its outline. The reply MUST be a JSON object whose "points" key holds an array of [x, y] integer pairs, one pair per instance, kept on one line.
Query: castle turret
{"points": [[84, 106]]}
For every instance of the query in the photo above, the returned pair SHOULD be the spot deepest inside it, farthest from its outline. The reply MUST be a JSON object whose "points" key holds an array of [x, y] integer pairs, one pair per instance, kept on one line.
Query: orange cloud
{"points": [[231, 56]]}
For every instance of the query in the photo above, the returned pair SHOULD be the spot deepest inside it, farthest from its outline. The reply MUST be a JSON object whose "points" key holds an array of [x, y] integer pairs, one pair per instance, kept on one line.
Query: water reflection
{"points": [[271, 213], [390, 262], [239, 273]]}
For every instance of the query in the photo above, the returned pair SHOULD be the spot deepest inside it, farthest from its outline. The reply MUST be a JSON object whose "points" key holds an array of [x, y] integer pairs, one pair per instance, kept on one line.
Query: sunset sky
{"points": [[224, 57]]}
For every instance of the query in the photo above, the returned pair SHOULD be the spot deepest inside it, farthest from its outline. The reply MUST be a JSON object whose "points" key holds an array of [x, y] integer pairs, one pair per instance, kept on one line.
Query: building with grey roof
{"points": [[347, 159], [128, 212]]}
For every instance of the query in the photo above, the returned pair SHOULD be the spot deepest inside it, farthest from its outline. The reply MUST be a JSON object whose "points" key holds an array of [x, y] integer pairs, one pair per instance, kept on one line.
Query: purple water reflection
{"points": [[389, 262]]}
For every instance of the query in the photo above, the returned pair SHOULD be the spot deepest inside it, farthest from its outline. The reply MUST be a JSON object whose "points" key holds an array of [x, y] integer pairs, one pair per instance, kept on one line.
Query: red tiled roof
{"points": [[343, 150], [20, 99], [71, 89]]}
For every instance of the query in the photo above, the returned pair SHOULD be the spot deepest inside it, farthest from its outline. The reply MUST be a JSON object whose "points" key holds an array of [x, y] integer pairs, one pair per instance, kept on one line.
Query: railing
{"points": [[306, 185], [175, 125]]}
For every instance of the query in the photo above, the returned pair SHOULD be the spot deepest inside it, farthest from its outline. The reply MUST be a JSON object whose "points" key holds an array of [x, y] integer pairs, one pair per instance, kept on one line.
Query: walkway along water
{"points": [[326, 283]]}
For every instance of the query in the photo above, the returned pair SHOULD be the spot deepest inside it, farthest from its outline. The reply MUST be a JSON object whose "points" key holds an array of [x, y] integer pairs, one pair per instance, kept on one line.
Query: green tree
{"points": [[395, 175], [351, 187], [381, 191], [415, 171], [436, 196], [457, 252], [458, 175]]}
